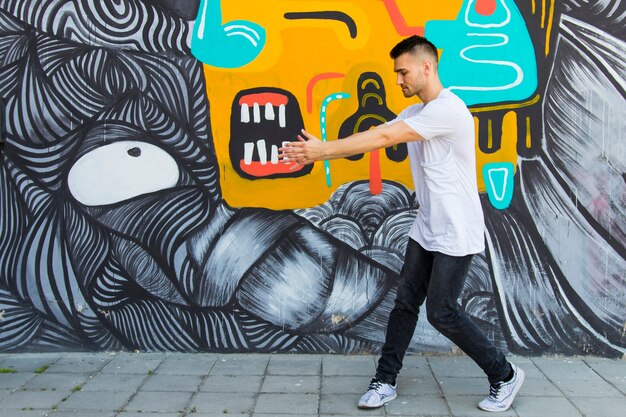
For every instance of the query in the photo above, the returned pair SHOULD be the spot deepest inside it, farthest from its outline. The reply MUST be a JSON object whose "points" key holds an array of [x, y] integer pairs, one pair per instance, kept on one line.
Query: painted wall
{"points": [[141, 205]]}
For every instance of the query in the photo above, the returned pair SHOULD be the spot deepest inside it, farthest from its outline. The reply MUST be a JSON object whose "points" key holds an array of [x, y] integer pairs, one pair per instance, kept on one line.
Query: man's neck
{"points": [[428, 95]]}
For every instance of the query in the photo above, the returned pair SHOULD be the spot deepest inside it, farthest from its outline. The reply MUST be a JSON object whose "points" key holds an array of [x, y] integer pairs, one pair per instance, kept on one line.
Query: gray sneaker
{"points": [[378, 393], [502, 394]]}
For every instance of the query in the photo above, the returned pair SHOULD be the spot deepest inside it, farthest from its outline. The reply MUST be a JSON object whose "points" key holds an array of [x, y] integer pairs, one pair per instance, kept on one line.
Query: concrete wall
{"points": [[141, 206]]}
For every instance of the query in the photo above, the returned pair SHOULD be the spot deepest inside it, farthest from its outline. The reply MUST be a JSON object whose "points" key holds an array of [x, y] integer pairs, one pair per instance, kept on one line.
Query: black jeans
{"points": [[438, 279]]}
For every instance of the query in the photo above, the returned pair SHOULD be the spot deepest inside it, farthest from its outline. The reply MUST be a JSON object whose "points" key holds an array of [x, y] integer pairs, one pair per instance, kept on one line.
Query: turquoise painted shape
{"points": [[230, 45], [323, 120], [486, 59], [499, 179]]}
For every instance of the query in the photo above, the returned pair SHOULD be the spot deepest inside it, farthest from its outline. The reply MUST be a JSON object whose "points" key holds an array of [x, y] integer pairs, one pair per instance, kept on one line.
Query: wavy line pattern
{"points": [[128, 24]]}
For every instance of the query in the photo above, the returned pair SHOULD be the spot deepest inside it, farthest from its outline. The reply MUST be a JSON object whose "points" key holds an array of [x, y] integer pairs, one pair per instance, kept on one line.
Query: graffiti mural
{"points": [[143, 206]]}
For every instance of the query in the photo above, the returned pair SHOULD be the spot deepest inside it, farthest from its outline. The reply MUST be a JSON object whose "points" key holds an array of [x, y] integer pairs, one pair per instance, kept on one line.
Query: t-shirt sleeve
{"points": [[404, 114], [435, 119]]}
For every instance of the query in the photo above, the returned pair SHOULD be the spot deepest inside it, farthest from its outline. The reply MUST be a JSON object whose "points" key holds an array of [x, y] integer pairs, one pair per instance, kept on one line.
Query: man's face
{"points": [[410, 74]]}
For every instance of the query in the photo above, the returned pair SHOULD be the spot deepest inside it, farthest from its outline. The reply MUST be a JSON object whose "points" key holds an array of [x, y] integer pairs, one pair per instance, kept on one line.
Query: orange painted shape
{"points": [[485, 7]]}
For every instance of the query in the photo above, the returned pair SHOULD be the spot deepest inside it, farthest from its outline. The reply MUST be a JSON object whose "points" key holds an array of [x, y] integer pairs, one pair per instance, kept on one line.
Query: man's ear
{"points": [[428, 65]]}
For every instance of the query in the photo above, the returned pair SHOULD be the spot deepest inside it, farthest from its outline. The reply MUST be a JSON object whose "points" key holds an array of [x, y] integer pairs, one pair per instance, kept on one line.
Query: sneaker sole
{"points": [[383, 402], [522, 377]]}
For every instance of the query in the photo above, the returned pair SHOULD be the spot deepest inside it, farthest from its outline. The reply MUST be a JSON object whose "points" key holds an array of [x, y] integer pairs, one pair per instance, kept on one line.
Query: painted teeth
{"points": [[248, 149], [260, 145], [281, 116], [269, 113], [262, 151], [245, 113], [256, 111]]}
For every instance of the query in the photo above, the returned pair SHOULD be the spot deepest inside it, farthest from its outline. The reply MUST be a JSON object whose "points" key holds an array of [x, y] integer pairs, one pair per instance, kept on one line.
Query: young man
{"points": [[448, 229]]}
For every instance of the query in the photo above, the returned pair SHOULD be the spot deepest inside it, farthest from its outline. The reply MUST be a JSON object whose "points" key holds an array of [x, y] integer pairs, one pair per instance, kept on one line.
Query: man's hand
{"points": [[304, 151]]}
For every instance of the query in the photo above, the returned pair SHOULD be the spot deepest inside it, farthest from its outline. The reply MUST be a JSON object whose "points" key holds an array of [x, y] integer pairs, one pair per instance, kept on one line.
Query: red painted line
{"points": [[262, 98], [376, 181], [256, 169], [398, 20], [311, 84]]}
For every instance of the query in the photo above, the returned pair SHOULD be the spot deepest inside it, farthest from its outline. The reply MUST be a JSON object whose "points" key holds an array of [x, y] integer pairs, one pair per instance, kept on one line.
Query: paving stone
{"points": [[593, 386], [281, 415], [154, 402], [4, 393], [15, 381], [412, 405], [343, 365], [24, 413], [538, 386], [82, 413], [63, 381], [344, 385], [604, 407], [134, 414], [243, 365], [114, 382], [84, 363], [291, 384], [467, 406], [90, 400], [287, 403], [221, 415], [455, 366], [174, 383], [415, 366], [219, 383], [186, 366], [464, 386], [224, 403], [417, 386], [346, 415], [33, 399], [29, 363], [553, 407], [194, 356], [611, 370], [568, 368], [344, 404], [135, 364], [308, 366]]}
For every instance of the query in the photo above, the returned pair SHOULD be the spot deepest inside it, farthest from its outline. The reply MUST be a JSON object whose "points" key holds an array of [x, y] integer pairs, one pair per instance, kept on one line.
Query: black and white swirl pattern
{"points": [[118, 24]]}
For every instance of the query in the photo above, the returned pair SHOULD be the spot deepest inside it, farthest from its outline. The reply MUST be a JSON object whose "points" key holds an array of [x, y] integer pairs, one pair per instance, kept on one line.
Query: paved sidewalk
{"points": [[175, 385]]}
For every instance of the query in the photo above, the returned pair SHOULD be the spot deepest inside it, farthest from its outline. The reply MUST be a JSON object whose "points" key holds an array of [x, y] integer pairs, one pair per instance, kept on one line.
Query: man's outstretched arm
{"points": [[309, 148]]}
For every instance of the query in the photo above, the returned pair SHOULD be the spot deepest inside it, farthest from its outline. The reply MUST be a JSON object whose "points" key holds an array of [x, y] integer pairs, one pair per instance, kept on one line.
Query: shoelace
{"points": [[494, 389], [375, 384]]}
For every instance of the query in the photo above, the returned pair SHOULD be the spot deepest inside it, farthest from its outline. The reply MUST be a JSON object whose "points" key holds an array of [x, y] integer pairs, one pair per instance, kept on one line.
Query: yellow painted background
{"points": [[295, 52]]}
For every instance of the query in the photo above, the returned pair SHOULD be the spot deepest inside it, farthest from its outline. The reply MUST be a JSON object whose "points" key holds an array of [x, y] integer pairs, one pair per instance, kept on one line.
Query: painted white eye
{"points": [[121, 170]]}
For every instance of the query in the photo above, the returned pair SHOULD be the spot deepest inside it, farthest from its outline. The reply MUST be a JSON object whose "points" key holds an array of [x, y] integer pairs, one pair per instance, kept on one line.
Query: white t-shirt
{"points": [[450, 218]]}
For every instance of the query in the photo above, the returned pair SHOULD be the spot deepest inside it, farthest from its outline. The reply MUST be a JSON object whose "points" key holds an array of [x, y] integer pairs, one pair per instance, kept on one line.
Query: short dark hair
{"points": [[414, 44]]}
